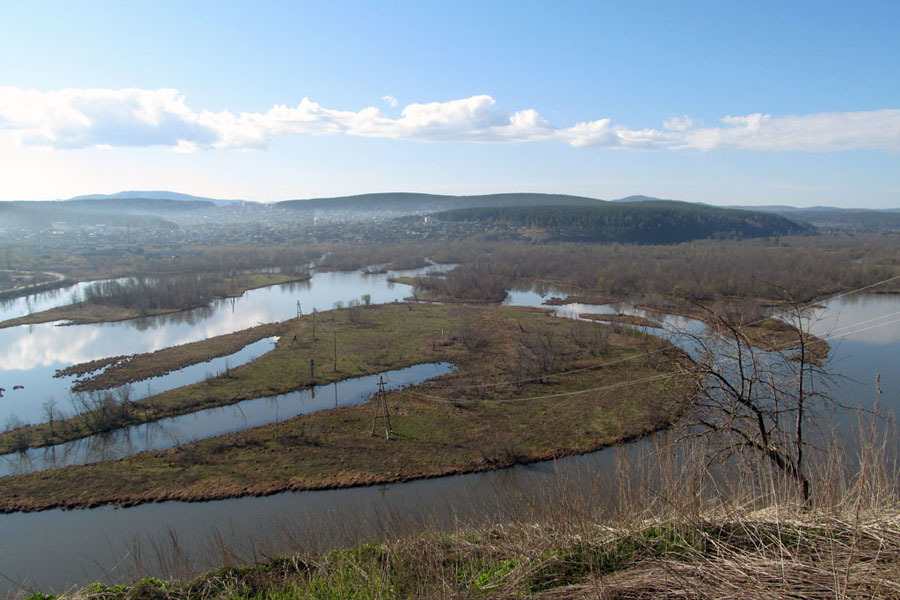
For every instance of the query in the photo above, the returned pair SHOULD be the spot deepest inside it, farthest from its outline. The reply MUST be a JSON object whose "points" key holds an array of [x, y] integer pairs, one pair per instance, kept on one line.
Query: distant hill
{"points": [[46, 215], [414, 203], [840, 219], [156, 195], [640, 198], [135, 205], [644, 222]]}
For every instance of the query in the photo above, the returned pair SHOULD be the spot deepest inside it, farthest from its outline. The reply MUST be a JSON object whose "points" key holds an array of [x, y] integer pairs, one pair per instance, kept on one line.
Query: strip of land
{"points": [[627, 319], [84, 313], [580, 299], [506, 404], [138, 367], [769, 334]]}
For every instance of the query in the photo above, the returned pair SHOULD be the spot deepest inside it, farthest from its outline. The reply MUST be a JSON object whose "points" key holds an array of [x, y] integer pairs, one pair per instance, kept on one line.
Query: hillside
{"points": [[414, 203], [653, 222], [44, 215], [156, 195], [840, 219], [135, 205]]}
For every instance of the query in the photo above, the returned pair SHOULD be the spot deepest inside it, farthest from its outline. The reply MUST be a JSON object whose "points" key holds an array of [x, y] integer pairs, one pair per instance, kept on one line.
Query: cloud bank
{"points": [[87, 118]]}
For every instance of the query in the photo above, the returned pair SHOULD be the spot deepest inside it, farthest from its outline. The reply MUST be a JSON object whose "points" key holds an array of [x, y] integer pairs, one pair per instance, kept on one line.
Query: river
{"points": [[30, 355], [53, 550]]}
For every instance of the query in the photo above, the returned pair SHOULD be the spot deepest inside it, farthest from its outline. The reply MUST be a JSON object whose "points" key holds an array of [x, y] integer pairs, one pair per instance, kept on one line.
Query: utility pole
{"points": [[312, 370], [381, 410]]}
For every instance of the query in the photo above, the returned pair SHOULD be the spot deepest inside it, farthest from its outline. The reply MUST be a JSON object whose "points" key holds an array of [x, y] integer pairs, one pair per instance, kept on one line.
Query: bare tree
{"points": [[51, 413], [19, 440], [758, 401]]}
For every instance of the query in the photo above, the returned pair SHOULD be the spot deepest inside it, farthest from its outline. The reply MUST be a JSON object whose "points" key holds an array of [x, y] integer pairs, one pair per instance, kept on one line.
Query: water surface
{"points": [[106, 543]]}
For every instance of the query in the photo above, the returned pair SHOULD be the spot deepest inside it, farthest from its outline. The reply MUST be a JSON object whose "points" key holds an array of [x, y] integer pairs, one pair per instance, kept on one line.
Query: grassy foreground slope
{"points": [[505, 405], [753, 556]]}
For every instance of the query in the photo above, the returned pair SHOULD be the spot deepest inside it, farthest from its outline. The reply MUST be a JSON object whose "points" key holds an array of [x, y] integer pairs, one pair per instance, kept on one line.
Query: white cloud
{"points": [[822, 132], [82, 118], [392, 100], [682, 123]]}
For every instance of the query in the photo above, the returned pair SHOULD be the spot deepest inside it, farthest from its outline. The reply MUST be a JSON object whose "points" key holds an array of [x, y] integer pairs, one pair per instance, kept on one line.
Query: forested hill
{"points": [[411, 203], [646, 222]]}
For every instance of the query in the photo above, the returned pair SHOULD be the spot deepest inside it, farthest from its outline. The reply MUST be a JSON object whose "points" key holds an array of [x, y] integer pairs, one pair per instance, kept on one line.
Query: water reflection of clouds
{"points": [[45, 345], [29, 355]]}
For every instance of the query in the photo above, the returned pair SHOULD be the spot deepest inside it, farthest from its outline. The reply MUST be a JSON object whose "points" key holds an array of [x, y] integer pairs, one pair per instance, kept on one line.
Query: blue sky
{"points": [[724, 102]]}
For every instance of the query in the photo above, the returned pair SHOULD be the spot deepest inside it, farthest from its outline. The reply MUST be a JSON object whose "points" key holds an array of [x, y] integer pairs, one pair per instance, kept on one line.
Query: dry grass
{"points": [[502, 407], [137, 367], [655, 527]]}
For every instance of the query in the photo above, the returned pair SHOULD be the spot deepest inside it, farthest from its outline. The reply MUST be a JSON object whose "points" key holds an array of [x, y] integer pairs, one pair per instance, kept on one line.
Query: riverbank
{"points": [[120, 370], [500, 408], [83, 313], [626, 319], [766, 554], [53, 281], [312, 350], [767, 334]]}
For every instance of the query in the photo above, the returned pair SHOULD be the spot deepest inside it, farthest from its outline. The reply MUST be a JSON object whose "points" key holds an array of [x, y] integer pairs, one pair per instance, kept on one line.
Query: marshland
{"points": [[545, 431]]}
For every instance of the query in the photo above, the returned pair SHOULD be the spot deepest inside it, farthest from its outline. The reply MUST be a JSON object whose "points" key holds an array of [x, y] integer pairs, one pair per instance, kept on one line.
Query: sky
{"points": [[731, 103]]}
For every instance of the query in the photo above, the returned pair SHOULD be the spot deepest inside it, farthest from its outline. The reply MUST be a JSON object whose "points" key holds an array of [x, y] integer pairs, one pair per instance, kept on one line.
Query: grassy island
{"points": [[528, 387]]}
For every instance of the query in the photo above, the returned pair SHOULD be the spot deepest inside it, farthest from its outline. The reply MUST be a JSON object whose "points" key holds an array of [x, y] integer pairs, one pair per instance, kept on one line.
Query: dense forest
{"points": [[650, 222]]}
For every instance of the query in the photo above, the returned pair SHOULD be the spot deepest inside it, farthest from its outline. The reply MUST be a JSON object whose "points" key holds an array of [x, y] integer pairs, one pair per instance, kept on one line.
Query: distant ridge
{"points": [[832, 218], [43, 215], [641, 222], [155, 195], [640, 198], [411, 202]]}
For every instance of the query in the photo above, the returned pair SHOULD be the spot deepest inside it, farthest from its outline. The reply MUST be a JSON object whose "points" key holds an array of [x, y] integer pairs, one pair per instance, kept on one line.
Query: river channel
{"points": [[54, 550], [30, 355]]}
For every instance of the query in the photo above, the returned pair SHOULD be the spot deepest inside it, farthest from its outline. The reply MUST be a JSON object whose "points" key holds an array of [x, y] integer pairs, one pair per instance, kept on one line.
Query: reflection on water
{"points": [[29, 356], [25, 305], [273, 525], [85, 545], [173, 431]]}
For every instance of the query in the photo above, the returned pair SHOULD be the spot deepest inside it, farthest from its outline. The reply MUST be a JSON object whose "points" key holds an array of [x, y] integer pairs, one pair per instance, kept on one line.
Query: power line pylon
{"points": [[381, 410]]}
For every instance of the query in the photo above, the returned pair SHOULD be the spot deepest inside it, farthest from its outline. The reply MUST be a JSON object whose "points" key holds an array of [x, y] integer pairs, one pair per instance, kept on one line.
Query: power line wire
{"points": [[652, 352], [628, 383]]}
